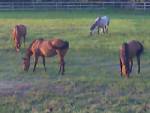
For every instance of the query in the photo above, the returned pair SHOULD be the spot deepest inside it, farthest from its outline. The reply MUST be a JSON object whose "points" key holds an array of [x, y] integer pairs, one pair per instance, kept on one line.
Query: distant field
{"points": [[92, 82]]}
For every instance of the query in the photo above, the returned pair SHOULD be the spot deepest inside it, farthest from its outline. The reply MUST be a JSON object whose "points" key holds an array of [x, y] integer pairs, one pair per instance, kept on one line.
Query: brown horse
{"points": [[46, 48], [18, 32], [127, 52]]}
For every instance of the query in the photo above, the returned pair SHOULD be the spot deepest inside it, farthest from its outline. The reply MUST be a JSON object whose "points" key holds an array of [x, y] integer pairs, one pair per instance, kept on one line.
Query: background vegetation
{"points": [[92, 83]]}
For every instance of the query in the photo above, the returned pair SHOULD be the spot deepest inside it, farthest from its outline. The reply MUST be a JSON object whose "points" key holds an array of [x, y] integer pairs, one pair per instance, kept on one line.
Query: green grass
{"points": [[92, 83]]}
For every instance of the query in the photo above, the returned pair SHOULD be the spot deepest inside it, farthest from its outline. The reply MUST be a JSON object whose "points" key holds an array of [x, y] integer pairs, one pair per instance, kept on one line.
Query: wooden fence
{"points": [[72, 5]]}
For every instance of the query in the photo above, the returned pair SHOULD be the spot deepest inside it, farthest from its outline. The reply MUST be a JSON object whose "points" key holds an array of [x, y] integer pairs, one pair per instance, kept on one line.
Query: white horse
{"points": [[100, 23]]}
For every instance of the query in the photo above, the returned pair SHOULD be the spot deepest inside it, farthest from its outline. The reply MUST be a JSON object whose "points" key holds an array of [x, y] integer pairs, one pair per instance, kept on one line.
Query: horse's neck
{"points": [[17, 37], [126, 50], [28, 53], [97, 19]]}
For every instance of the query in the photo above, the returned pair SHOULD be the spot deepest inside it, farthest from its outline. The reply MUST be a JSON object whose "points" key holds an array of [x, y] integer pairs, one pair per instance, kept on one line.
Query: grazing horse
{"points": [[18, 32], [46, 48], [127, 52], [100, 22]]}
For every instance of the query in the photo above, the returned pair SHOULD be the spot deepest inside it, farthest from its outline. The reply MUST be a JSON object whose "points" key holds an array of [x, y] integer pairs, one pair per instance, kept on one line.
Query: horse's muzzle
{"points": [[91, 33], [17, 49]]}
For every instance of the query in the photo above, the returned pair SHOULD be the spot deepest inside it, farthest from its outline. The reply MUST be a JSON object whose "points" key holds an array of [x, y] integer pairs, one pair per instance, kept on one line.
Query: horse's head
{"points": [[124, 56], [92, 28], [26, 64], [18, 45]]}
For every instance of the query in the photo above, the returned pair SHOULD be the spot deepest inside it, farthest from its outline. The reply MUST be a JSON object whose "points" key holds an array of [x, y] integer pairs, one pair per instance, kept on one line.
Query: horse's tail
{"points": [[141, 50], [108, 22], [65, 45]]}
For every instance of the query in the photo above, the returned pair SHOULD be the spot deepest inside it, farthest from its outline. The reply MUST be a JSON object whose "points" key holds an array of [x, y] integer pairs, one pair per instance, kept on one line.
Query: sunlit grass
{"points": [[92, 82]]}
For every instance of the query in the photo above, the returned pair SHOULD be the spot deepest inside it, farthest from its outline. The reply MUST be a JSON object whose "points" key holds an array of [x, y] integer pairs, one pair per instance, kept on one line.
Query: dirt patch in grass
{"points": [[9, 88]]}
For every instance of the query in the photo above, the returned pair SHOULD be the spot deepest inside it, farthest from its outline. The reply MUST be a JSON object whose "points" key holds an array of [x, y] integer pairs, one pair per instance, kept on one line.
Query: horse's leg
{"points": [[44, 63], [127, 75], [103, 30], [131, 62], [14, 42], [59, 57], [13, 38], [35, 62], [24, 39], [138, 62], [62, 63], [98, 30], [62, 68], [120, 67], [106, 29], [59, 68]]}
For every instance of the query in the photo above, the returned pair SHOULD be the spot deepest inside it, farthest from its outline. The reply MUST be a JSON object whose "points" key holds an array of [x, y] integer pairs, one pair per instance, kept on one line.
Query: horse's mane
{"points": [[93, 26], [17, 29], [126, 54], [28, 51], [17, 32]]}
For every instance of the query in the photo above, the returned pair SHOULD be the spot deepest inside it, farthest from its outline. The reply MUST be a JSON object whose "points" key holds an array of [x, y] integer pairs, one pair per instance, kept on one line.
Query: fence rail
{"points": [[72, 5]]}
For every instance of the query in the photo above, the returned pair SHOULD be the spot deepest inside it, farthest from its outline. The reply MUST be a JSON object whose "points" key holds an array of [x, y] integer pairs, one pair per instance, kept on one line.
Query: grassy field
{"points": [[92, 82]]}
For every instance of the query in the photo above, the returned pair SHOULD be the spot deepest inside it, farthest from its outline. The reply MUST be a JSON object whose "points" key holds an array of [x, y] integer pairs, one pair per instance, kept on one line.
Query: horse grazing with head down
{"points": [[100, 22], [127, 52], [46, 48], [19, 32]]}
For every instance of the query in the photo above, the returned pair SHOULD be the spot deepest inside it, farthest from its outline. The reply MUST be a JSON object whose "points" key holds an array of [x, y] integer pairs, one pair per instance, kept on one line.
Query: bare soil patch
{"points": [[8, 88]]}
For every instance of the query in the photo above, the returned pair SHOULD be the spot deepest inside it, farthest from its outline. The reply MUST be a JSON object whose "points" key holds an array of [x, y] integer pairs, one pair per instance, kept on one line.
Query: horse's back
{"points": [[49, 48], [135, 47], [104, 17], [59, 44], [19, 30], [103, 21], [23, 29], [42, 48]]}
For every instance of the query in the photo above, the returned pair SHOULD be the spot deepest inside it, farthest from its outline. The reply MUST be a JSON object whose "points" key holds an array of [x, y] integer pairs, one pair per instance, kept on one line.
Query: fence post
{"points": [[12, 6], [80, 5], [103, 5], [144, 6], [32, 6], [55, 4]]}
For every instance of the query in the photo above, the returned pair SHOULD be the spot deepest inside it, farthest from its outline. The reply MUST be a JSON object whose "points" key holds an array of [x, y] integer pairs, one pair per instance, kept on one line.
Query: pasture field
{"points": [[92, 82]]}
